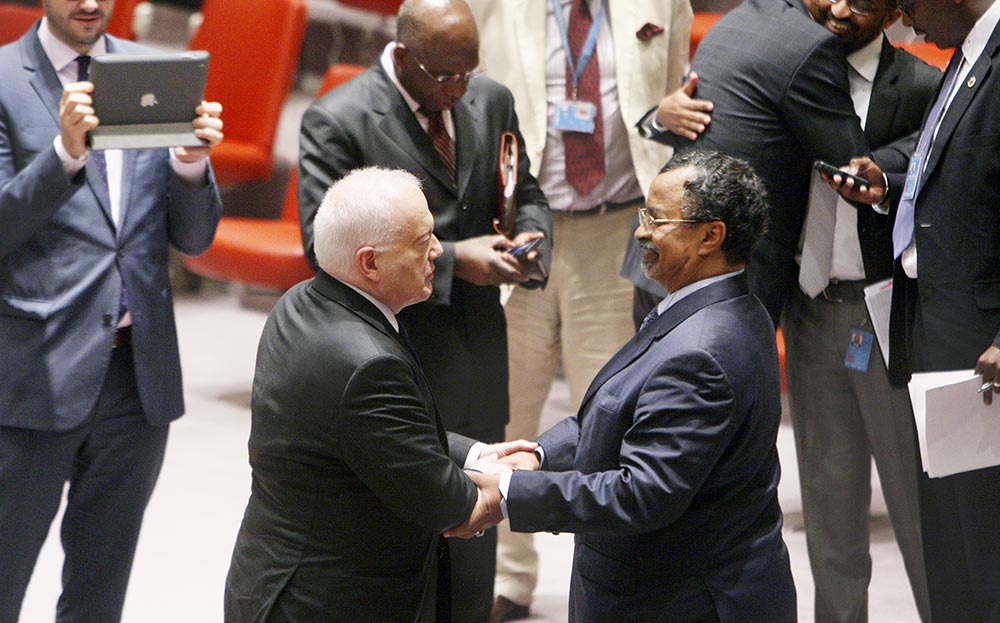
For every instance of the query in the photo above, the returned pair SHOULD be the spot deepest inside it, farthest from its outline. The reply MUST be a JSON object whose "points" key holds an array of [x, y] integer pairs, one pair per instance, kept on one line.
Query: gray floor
{"points": [[195, 512]]}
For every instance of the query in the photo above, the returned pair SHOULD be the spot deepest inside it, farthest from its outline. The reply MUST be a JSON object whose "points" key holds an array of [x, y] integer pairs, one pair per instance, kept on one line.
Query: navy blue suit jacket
{"points": [[668, 473], [63, 262]]}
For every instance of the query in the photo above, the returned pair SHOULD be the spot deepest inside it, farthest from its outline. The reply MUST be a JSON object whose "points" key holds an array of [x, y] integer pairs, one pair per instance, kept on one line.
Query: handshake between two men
{"points": [[495, 464]]}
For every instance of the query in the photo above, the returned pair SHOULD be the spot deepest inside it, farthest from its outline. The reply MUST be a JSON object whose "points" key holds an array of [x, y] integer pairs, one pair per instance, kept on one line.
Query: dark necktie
{"points": [[584, 152], [83, 73], [902, 231], [442, 142]]}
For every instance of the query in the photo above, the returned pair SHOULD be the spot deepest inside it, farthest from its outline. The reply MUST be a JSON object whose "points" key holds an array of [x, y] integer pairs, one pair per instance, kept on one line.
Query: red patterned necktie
{"points": [[584, 152], [438, 134]]}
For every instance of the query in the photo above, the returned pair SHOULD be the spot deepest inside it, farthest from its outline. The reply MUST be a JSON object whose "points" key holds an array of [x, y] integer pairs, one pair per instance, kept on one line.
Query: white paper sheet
{"points": [[878, 299], [957, 432]]}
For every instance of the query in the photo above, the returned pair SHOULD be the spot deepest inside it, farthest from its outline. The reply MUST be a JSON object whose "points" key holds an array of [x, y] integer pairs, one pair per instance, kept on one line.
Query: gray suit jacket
{"points": [[352, 481], [779, 83], [63, 262], [460, 332], [668, 473]]}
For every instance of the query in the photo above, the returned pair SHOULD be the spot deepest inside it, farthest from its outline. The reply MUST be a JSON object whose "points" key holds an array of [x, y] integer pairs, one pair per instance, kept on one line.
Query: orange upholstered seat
{"points": [[264, 252], [254, 49]]}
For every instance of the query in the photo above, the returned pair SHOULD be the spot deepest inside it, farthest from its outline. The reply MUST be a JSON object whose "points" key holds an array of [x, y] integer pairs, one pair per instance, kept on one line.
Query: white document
{"points": [[878, 299], [957, 432]]}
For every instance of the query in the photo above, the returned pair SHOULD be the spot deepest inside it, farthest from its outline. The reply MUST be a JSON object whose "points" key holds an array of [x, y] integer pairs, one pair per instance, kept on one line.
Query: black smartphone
{"points": [[829, 169], [522, 251]]}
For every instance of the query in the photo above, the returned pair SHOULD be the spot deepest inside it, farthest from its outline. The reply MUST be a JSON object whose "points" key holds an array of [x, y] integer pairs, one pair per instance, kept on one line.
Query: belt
{"points": [[123, 337], [603, 208], [843, 291]]}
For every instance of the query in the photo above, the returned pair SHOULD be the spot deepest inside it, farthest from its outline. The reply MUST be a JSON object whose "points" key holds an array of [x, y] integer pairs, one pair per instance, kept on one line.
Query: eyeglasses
{"points": [[448, 78], [863, 8], [649, 222], [906, 6]]}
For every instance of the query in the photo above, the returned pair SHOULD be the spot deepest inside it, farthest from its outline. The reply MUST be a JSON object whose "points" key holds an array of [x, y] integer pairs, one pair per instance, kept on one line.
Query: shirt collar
{"points": [[382, 307], [980, 34], [865, 60], [691, 288], [60, 54], [390, 68]]}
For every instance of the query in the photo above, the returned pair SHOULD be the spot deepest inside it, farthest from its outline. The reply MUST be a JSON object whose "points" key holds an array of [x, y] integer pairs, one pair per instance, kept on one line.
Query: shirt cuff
{"points": [[70, 164], [193, 173], [474, 453], [504, 487]]}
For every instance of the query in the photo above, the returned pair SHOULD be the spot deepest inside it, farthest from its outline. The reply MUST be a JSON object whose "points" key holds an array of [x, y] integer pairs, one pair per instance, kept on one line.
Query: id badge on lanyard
{"points": [[574, 115]]}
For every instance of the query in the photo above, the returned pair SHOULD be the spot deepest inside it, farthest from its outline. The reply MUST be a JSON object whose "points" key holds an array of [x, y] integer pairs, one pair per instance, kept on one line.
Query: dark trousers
{"points": [[111, 461]]}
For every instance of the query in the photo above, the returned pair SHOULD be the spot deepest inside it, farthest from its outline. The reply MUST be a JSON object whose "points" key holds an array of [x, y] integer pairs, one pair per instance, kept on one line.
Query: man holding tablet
{"points": [[91, 372]]}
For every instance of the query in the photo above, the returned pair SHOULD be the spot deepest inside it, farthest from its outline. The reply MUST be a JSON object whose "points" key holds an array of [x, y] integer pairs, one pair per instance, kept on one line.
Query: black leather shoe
{"points": [[506, 610]]}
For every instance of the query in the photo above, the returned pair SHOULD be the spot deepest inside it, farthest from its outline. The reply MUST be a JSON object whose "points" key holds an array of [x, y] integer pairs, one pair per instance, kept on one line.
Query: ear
{"points": [[891, 18], [714, 233], [398, 54], [366, 260]]}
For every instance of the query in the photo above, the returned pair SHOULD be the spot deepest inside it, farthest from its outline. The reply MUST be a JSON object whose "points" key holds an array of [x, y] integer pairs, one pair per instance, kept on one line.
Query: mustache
{"points": [[648, 246]]}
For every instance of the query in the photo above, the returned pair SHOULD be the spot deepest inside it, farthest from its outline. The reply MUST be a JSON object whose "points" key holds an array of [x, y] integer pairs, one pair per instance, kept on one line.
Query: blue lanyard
{"points": [[576, 69]]}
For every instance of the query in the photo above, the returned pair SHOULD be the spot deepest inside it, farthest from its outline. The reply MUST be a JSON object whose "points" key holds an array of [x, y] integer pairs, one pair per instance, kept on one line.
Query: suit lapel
{"points": [[467, 121], [49, 89], [129, 157], [963, 97], [665, 323], [400, 126]]}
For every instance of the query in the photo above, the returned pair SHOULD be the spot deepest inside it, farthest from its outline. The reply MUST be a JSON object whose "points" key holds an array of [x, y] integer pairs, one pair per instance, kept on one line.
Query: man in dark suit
{"points": [[842, 415], [421, 97], [352, 480], [945, 311], [90, 367], [778, 83], [669, 472]]}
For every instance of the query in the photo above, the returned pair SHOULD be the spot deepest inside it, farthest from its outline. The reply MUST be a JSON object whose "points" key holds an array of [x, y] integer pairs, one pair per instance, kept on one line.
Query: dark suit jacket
{"points": [[352, 482], [904, 86], [779, 84], [459, 333], [63, 263], [955, 315], [669, 472]]}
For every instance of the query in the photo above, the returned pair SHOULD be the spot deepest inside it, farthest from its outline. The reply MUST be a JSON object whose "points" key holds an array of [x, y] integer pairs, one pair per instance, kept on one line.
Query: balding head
{"points": [[435, 39]]}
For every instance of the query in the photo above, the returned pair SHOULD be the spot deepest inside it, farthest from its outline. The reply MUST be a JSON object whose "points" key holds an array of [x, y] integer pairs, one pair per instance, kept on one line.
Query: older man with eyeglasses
{"points": [[422, 108]]}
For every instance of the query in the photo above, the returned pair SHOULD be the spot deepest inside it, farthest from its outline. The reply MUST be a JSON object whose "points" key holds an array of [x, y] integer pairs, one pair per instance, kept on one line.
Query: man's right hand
{"points": [[76, 117], [683, 115], [478, 261]]}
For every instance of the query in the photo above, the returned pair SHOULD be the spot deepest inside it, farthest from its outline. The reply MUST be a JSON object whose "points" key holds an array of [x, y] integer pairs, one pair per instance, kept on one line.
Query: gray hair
{"points": [[358, 211], [724, 188]]}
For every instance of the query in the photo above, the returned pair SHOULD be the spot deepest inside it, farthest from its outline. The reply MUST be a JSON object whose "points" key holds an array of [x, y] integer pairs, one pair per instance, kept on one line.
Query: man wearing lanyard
{"points": [[90, 367], [946, 288], [583, 72]]}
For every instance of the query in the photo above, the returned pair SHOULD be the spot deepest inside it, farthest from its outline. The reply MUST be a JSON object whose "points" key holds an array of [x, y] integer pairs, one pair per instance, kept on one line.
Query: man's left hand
{"points": [[208, 127]]}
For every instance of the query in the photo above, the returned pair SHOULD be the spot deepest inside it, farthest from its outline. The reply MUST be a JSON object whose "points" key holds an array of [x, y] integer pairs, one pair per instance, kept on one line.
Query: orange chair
{"points": [[930, 53], [780, 339], [254, 47], [15, 19], [265, 253], [701, 24], [384, 7], [120, 24]]}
